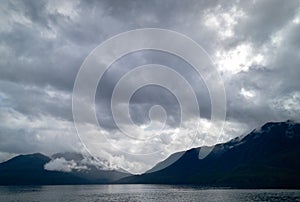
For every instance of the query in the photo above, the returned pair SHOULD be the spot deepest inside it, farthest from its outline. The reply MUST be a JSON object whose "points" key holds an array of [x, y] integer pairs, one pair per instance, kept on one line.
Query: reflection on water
{"points": [[140, 193]]}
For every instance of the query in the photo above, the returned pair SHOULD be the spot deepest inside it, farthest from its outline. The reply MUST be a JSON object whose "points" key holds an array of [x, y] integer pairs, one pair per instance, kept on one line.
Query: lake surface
{"points": [[140, 193]]}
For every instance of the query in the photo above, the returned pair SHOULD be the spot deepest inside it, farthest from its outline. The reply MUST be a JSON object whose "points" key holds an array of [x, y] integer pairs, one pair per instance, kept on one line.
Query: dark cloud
{"points": [[264, 18]]}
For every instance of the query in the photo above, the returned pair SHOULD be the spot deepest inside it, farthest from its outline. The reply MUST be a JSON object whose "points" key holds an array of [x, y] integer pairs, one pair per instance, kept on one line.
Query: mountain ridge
{"points": [[265, 158], [268, 157], [30, 170]]}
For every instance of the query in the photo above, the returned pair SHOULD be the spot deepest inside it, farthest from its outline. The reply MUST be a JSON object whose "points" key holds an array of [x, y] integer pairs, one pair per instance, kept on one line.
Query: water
{"points": [[140, 193]]}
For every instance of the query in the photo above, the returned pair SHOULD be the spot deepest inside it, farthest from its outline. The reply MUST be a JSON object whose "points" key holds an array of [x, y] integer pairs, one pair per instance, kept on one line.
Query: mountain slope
{"points": [[30, 170], [265, 158]]}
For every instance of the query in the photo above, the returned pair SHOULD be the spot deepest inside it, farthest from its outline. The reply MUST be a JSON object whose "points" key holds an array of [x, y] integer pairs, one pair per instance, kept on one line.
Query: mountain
{"points": [[30, 170], [265, 158]]}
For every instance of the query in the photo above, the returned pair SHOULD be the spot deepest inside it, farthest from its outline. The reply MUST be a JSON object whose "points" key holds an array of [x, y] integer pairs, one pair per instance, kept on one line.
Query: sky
{"points": [[254, 46]]}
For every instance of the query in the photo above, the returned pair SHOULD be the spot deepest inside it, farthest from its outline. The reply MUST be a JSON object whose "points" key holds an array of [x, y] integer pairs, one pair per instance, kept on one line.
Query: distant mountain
{"points": [[268, 157], [30, 170]]}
